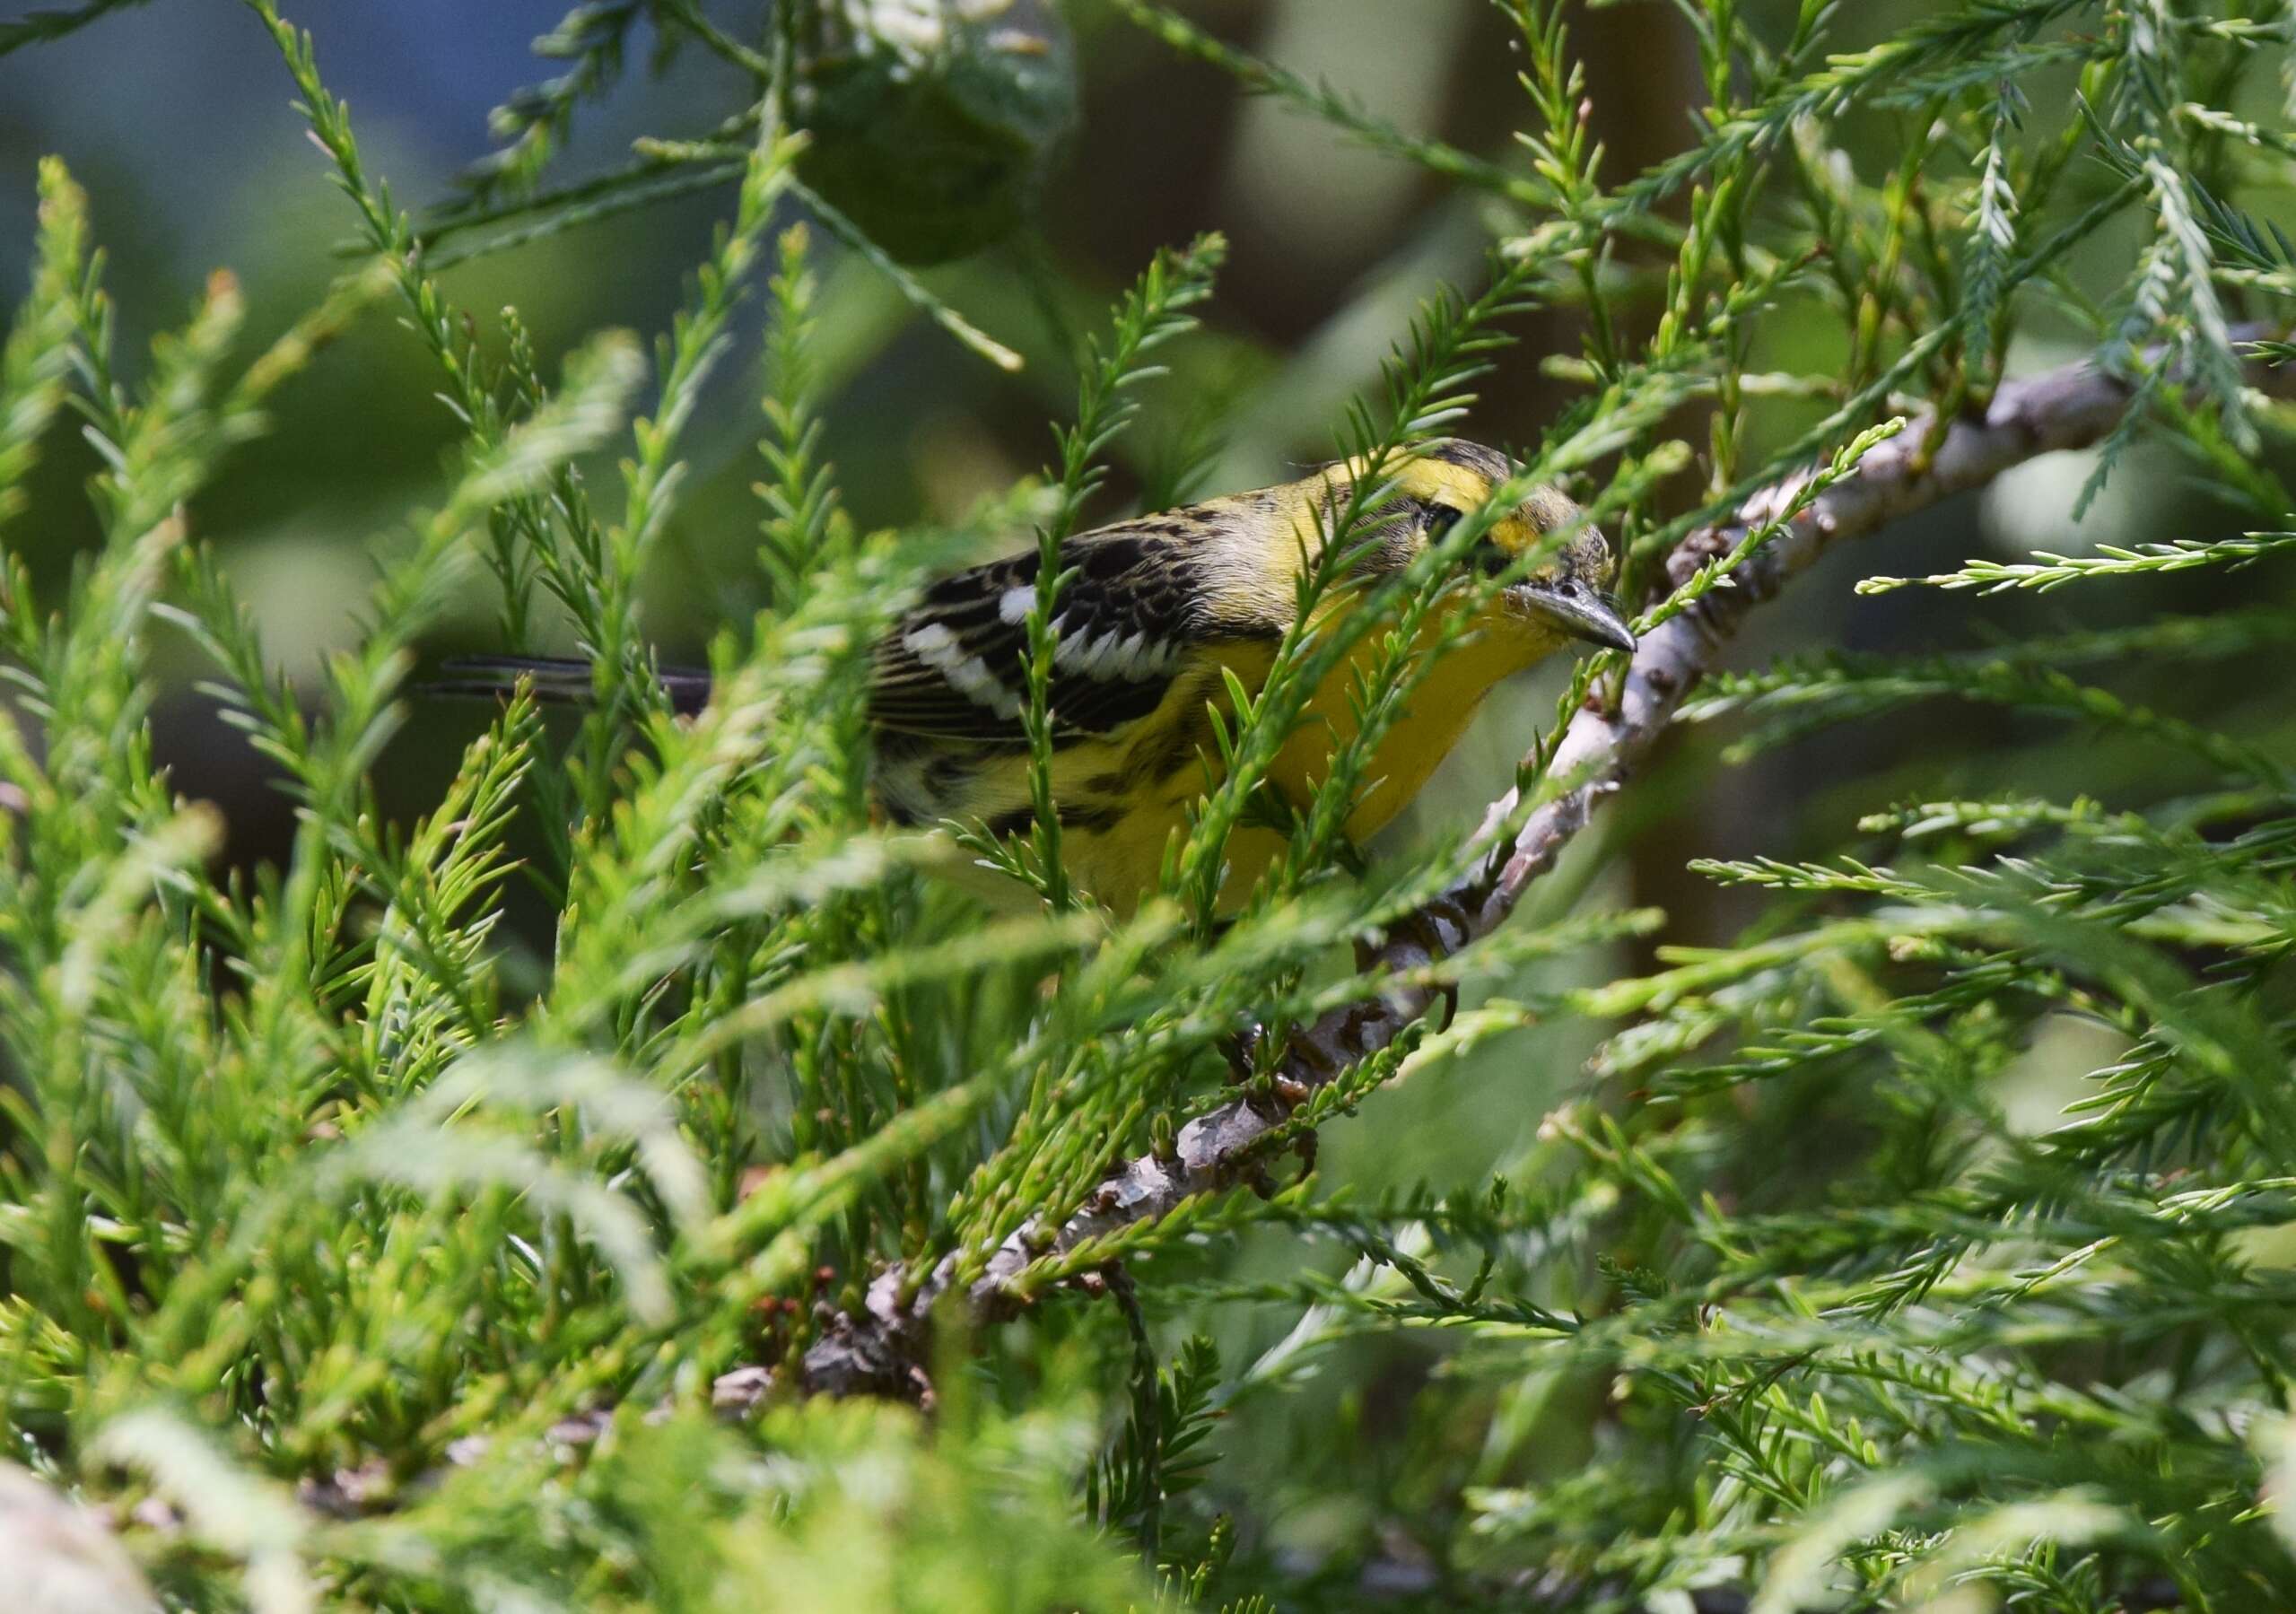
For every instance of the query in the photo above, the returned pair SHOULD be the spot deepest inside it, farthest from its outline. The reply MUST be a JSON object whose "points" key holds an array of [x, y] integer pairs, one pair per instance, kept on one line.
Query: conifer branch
{"points": [[879, 1351]]}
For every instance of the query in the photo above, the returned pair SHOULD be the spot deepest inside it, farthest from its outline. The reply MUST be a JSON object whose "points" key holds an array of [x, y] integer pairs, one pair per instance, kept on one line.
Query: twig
{"points": [[878, 1350]]}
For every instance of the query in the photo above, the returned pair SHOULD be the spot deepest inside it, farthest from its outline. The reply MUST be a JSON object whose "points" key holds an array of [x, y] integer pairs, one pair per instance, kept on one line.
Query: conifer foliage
{"points": [[767, 1228]]}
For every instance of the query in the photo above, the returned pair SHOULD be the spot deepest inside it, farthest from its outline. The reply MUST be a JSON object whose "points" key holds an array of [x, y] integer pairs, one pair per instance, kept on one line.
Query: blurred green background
{"points": [[176, 116], [177, 119]]}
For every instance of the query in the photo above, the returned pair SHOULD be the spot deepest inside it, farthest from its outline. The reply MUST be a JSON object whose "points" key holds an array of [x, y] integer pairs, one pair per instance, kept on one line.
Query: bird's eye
{"points": [[1440, 519]]}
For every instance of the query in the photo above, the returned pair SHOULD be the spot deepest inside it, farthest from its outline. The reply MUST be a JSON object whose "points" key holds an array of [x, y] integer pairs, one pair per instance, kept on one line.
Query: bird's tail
{"points": [[561, 680]]}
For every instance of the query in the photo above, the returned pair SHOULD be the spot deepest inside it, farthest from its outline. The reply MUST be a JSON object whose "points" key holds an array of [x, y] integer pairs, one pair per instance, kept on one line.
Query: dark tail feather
{"points": [[562, 680]]}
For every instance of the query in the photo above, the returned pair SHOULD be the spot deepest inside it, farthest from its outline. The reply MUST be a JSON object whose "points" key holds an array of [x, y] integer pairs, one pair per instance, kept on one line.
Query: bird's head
{"points": [[1561, 596]]}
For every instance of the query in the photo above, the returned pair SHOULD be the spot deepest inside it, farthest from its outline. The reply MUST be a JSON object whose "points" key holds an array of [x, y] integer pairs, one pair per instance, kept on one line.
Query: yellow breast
{"points": [[1454, 684]]}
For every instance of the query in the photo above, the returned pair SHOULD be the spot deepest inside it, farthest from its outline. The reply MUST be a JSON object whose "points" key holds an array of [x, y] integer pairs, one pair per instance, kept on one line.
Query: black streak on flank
{"points": [[943, 775], [1098, 820], [1004, 826], [1019, 821]]}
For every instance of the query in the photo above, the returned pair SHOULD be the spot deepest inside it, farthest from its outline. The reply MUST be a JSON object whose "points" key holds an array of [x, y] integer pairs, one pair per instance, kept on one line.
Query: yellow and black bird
{"points": [[1158, 609]]}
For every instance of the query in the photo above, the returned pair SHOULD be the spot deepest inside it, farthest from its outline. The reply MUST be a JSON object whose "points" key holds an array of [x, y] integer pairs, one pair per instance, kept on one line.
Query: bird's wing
{"points": [[955, 668]]}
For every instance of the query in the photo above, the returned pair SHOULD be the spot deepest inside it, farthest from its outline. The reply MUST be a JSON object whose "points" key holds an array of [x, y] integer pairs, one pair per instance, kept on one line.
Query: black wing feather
{"points": [[955, 668]]}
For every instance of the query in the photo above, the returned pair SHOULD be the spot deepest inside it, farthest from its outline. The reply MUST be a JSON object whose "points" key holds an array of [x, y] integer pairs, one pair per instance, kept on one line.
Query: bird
{"points": [[1158, 611]]}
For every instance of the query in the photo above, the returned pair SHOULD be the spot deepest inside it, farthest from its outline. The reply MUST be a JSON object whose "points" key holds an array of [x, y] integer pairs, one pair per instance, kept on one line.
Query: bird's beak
{"points": [[1579, 611]]}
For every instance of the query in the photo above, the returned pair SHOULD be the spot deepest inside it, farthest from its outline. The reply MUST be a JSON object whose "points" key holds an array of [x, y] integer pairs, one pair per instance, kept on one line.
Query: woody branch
{"points": [[877, 1350]]}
